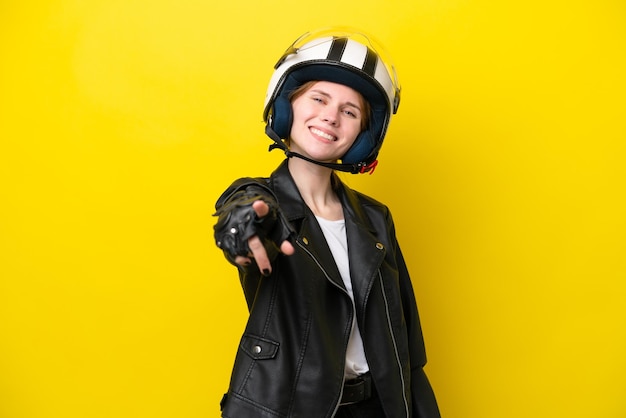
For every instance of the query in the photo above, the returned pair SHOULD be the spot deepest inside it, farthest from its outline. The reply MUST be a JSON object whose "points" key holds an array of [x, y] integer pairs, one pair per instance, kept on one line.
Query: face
{"points": [[326, 121]]}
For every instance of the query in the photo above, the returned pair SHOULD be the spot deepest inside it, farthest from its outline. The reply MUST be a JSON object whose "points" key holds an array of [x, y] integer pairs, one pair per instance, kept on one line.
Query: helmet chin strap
{"points": [[348, 168]]}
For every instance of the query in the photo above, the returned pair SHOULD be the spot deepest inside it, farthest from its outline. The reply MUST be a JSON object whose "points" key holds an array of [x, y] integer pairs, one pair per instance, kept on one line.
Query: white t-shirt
{"points": [[335, 233]]}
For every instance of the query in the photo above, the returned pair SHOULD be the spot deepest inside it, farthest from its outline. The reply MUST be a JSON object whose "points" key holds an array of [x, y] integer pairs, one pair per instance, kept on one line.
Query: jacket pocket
{"points": [[259, 348]]}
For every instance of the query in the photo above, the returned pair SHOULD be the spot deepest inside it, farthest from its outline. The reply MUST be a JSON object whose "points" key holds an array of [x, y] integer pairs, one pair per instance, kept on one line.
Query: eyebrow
{"points": [[323, 93]]}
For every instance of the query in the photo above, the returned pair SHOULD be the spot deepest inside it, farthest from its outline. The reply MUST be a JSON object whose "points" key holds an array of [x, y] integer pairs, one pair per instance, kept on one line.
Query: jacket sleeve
{"points": [[423, 398]]}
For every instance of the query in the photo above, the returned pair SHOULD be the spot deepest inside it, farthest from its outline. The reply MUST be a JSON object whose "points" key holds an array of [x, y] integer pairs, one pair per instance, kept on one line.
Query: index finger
{"points": [[261, 208]]}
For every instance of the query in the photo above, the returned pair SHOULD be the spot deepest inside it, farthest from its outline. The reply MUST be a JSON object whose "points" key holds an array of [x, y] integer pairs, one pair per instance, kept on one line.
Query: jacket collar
{"points": [[293, 205], [287, 194]]}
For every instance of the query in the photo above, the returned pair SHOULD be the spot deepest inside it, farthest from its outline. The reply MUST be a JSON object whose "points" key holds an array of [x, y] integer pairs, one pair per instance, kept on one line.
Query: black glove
{"points": [[238, 222]]}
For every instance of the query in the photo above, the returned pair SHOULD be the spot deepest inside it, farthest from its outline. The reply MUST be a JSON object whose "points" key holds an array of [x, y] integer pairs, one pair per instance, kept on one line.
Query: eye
{"points": [[351, 113]]}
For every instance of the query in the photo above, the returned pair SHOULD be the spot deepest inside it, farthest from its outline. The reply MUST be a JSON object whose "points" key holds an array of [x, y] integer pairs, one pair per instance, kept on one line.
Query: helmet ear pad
{"points": [[282, 116], [360, 149]]}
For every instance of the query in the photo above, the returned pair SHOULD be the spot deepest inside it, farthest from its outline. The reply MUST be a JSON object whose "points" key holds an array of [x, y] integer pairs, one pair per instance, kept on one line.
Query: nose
{"points": [[330, 116]]}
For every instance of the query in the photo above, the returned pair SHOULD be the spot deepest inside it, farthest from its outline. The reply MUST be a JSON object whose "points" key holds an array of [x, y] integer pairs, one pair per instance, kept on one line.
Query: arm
{"points": [[422, 395]]}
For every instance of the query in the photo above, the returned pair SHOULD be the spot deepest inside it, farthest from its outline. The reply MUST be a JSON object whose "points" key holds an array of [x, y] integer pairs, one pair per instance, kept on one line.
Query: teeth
{"points": [[323, 134]]}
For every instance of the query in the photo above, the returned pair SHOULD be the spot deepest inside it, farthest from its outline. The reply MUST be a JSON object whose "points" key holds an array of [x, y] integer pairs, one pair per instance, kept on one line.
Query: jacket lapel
{"points": [[366, 253], [310, 235]]}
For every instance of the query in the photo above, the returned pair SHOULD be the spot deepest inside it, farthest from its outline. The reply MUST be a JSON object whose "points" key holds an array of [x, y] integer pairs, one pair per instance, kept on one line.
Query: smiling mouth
{"points": [[323, 134]]}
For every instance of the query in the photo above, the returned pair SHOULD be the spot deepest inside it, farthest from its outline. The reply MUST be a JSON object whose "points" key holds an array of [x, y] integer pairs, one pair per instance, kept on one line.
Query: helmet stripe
{"points": [[371, 59], [337, 48]]}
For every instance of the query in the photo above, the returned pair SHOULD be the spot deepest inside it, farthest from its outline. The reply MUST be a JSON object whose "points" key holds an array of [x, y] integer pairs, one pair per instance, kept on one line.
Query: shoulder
{"points": [[367, 200], [364, 200], [365, 206], [374, 207], [261, 184]]}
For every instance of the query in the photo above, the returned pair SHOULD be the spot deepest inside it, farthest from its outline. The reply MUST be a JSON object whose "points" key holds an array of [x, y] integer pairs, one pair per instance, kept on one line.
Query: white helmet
{"points": [[343, 56]]}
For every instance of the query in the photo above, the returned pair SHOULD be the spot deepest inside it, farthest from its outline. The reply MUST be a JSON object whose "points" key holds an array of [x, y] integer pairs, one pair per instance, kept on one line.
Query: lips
{"points": [[323, 134]]}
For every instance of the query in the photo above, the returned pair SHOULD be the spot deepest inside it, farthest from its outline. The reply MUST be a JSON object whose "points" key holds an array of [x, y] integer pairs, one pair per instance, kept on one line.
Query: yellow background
{"points": [[121, 121]]}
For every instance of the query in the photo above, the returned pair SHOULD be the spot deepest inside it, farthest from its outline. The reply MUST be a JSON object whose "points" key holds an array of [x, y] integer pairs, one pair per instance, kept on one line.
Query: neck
{"points": [[314, 184]]}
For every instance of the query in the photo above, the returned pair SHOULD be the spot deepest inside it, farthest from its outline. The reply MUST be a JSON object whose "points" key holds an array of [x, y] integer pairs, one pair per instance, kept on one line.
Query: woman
{"points": [[333, 329]]}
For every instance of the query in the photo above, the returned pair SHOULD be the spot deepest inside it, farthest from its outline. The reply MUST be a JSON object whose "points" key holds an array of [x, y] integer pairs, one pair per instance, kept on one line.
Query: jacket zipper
{"points": [[301, 245]]}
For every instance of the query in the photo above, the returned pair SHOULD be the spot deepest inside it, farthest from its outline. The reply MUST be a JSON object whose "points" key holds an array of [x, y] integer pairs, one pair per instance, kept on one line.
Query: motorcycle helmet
{"points": [[340, 55]]}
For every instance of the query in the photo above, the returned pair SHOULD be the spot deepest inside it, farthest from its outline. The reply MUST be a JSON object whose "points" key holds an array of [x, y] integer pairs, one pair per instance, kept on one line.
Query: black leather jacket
{"points": [[290, 361]]}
